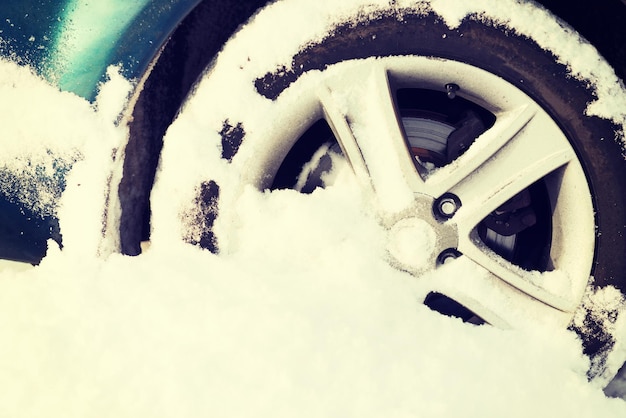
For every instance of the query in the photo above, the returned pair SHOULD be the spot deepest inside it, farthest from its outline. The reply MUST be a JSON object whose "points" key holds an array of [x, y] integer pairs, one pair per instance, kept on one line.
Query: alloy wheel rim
{"points": [[523, 146]]}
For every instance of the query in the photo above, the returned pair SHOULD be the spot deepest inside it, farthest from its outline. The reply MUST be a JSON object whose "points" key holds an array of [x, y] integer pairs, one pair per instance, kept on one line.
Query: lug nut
{"points": [[447, 205], [448, 255]]}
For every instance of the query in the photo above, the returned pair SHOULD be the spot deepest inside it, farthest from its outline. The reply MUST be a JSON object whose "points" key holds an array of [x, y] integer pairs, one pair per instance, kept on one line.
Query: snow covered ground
{"points": [[305, 319]]}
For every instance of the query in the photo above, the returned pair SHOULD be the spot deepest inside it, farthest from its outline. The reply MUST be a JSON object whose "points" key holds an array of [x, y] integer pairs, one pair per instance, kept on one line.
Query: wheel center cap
{"points": [[412, 243]]}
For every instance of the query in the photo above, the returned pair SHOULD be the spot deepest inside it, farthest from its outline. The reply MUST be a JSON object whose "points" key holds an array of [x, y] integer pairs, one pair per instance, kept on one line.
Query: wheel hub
{"points": [[418, 238]]}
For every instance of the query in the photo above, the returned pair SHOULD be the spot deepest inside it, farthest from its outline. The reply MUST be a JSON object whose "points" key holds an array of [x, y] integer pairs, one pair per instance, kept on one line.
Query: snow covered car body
{"points": [[165, 45], [72, 43]]}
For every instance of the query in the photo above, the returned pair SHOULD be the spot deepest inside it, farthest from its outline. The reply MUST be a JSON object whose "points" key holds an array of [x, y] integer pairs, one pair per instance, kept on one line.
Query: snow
{"points": [[185, 333], [282, 326], [301, 316]]}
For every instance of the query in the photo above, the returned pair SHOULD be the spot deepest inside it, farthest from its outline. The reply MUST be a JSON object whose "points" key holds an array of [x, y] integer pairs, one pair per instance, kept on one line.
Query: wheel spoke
{"points": [[342, 131], [492, 299], [551, 288], [362, 115], [523, 148], [508, 125]]}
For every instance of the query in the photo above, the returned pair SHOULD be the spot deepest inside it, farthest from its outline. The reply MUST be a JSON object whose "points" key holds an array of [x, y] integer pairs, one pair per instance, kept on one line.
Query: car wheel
{"points": [[472, 133]]}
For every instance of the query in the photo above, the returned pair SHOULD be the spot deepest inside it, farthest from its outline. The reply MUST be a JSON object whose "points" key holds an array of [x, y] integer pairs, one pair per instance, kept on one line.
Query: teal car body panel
{"points": [[73, 42]]}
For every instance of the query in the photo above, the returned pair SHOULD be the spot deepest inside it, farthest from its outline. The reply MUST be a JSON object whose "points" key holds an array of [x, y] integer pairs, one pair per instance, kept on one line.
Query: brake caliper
{"points": [[513, 216]]}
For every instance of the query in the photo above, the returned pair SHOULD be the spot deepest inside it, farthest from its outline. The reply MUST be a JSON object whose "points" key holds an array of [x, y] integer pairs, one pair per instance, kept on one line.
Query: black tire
{"points": [[175, 70], [496, 49]]}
